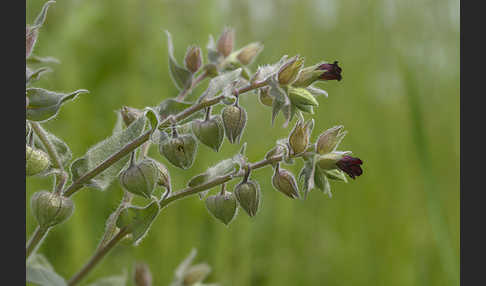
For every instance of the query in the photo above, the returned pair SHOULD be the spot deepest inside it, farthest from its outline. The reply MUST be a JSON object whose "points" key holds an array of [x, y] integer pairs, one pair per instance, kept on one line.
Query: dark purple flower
{"points": [[333, 71], [350, 166]]}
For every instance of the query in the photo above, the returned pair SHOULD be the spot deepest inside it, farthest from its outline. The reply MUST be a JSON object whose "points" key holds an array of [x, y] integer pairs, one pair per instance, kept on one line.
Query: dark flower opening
{"points": [[333, 71], [350, 166]]}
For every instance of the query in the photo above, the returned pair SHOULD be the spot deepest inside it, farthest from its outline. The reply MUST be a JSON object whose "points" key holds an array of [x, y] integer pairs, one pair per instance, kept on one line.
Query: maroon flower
{"points": [[350, 166], [333, 71]]}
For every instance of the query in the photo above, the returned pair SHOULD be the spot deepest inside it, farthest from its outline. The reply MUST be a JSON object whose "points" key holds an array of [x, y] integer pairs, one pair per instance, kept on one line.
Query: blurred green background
{"points": [[397, 224]]}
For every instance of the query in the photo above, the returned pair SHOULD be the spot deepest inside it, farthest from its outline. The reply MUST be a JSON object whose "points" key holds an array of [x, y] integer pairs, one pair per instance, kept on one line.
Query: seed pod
{"points": [[248, 53], [50, 209], [284, 182], [163, 175], [180, 150], [248, 195], [142, 276], [289, 71], [140, 178], [210, 132], [226, 41], [234, 121], [36, 161], [222, 206], [264, 96], [196, 274], [300, 136], [193, 59]]}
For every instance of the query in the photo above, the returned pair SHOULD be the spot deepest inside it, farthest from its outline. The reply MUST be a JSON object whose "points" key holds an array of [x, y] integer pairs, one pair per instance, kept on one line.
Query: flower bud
{"points": [[142, 277], [285, 182], [300, 136], [196, 274], [50, 209], [140, 178], [193, 59], [350, 166], [307, 76], [328, 161], [222, 206], [333, 71], [248, 195], [163, 175], [210, 132], [130, 114], [36, 161], [179, 150], [30, 39], [234, 121], [330, 139], [290, 70], [301, 96], [248, 53], [264, 96], [226, 41]]}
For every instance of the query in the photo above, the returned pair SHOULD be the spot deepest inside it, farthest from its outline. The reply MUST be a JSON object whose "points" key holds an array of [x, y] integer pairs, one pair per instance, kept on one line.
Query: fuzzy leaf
{"points": [[104, 149], [31, 76], [218, 83], [280, 99], [223, 168], [181, 77], [41, 272], [322, 182], [33, 59], [138, 220], [61, 147], [153, 117], [39, 21], [316, 91], [213, 55], [45, 104], [173, 106], [306, 176], [336, 175]]}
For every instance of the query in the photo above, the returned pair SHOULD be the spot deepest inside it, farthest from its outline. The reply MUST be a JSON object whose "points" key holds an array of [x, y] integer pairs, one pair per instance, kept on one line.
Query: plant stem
{"points": [[96, 258], [37, 237], [78, 184]]}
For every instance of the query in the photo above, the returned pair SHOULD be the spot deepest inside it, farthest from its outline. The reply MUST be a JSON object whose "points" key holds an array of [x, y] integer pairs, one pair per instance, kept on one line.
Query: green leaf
{"points": [[45, 104], [280, 98], [321, 182], [181, 77], [41, 272], [33, 59], [153, 117], [221, 169], [61, 147], [306, 176], [138, 220], [336, 175], [218, 83], [101, 151], [35, 75], [173, 106]]}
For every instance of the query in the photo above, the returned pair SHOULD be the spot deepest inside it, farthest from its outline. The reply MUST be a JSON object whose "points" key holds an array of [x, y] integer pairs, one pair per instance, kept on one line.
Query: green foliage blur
{"points": [[397, 224]]}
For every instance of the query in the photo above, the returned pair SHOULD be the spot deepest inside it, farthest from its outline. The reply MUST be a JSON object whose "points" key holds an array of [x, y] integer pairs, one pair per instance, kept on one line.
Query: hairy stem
{"points": [[78, 184], [35, 239], [96, 258]]}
